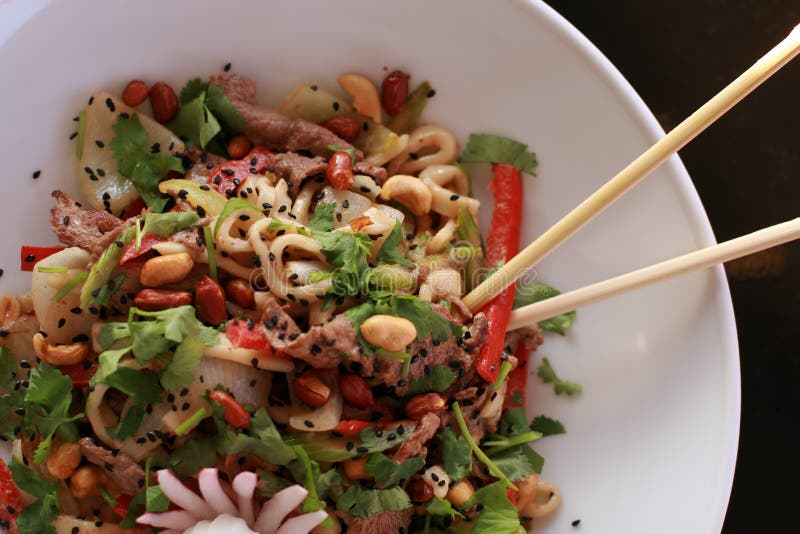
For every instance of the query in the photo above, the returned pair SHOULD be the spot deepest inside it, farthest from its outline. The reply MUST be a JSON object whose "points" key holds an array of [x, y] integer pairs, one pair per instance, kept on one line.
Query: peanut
{"points": [[164, 102], [209, 299], [163, 270], [239, 146], [311, 390], [161, 299], [460, 493], [240, 293], [63, 460], [59, 355], [421, 491], [356, 391], [84, 482], [348, 128], [425, 403], [388, 332], [134, 93], [356, 469]]}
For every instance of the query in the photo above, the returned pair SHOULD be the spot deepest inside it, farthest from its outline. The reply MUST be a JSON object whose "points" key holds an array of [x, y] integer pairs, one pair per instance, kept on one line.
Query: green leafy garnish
{"points": [[47, 406], [517, 463], [136, 163], [407, 117], [101, 271], [166, 224], [211, 251], [389, 252], [129, 423], [181, 369], [546, 426], [439, 379], [168, 328], [350, 151], [38, 516], [261, 439], [155, 500], [498, 513], [548, 375], [71, 284], [364, 503], [348, 253], [108, 289], [476, 450], [190, 422], [141, 387], [307, 472], [11, 398], [322, 219], [456, 454], [232, 205], [487, 148], [388, 473], [528, 293], [193, 456], [206, 111]]}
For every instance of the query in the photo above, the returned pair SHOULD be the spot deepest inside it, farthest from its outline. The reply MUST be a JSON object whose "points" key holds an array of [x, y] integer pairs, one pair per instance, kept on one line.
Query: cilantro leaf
{"points": [[348, 253], [487, 148], [322, 219], [365, 503], [262, 439], [547, 426], [223, 109], [181, 369], [528, 293], [206, 114], [439, 379], [388, 473], [194, 455], [129, 423], [442, 507], [169, 327], [47, 404], [548, 375], [101, 271], [517, 463], [166, 224], [498, 514], [195, 122], [193, 88], [137, 164], [456, 454], [306, 472], [109, 361], [389, 252], [141, 387], [11, 398], [36, 517], [155, 500]]}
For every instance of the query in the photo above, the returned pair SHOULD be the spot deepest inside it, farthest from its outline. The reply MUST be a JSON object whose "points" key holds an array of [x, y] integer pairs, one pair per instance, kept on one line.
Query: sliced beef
{"points": [[270, 128], [77, 227], [377, 172], [295, 168], [201, 170], [382, 523], [415, 445], [122, 470]]}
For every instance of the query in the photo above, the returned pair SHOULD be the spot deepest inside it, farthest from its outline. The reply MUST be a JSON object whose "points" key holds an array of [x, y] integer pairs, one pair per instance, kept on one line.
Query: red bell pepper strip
{"points": [[518, 377], [502, 244], [235, 414], [229, 175], [123, 503], [241, 335], [134, 208], [148, 241], [9, 498], [29, 256], [80, 373], [351, 427]]}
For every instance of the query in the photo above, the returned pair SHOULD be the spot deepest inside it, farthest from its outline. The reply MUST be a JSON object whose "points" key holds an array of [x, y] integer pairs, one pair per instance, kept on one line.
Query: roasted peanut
{"points": [[394, 91], [161, 299], [209, 299], [409, 191], [134, 93], [389, 332], [421, 491], [59, 355], [163, 270], [240, 293], [84, 482], [356, 391], [460, 493], [438, 479], [348, 128], [359, 223], [365, 95], [419, 405], [356, 469], [239, 146], [63, 460], [311, 390], [164, 102]]}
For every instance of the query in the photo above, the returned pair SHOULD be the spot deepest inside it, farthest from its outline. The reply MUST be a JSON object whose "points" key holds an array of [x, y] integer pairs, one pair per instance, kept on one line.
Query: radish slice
{"points": [[277, 508], [179, 494], [176, 519], [212, 492], [303, 523], [244, 485]]}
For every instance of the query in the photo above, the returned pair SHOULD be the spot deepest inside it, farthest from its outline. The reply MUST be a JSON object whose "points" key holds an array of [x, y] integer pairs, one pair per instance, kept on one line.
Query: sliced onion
{"points": [[215, 496], [234, 375], [303, 523], [276, 509], [224, 350], [185, 498], [176, 519], [356, 204], [318, 420], [305, 270]]}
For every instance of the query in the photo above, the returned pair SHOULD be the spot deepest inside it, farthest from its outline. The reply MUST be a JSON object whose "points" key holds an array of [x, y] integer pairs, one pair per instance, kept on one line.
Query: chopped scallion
{"points": [[493, 469], [52, 269], [212, 254], [71, 284], [190, 422]]}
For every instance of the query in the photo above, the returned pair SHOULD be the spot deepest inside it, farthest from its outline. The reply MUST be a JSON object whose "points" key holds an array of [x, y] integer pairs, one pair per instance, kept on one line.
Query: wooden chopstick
{"points": [[687, 130], [699, 259]]}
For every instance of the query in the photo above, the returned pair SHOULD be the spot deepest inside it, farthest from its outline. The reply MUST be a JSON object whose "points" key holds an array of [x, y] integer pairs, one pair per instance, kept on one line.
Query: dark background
{"points": [[746, 167]]}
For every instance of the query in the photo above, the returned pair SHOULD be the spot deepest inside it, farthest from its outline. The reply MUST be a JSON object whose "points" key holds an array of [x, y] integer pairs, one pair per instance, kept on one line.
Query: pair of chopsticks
{"points": [[642, 166]]}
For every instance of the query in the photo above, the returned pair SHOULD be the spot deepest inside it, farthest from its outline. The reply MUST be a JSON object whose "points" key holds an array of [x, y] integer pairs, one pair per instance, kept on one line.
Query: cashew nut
{"points": [[163, 270], [10, 310], [84, 482], [365, 95], [59, 355], [63, 460], [388, 332], [409, 191]]}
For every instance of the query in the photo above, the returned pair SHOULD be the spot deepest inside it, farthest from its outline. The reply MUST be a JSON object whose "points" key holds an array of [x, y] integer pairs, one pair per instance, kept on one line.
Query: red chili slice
{"points": [[241, 335], [351, 427], [235, 414], [29, 255], [148, 240], [80, 373], [9, 497], [228, 176]]}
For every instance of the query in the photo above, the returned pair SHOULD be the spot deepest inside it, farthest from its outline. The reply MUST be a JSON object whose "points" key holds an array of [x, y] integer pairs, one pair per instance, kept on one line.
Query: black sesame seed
{"points": [[431, 93], [362, 450], [73, 135], [576, 523], [29, 258], [110, 104], [391, 437], [182, 194], [62, 322], [227, 67], [308, 423], [335, 106], [99, 143], [454, 197], [37, 174], [349, 446], [204, 187]]}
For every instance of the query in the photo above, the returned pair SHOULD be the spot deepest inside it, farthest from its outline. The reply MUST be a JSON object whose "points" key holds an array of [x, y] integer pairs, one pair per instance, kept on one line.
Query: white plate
{"points": [[651, 442]]}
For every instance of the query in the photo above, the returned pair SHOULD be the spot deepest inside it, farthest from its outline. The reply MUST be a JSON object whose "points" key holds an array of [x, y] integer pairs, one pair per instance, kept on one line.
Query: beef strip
{"points": [[295, 168], [270, 128], [200, 172], [415, 445], [377, 172], [76, 227], [382, 523], [122, 470]]}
